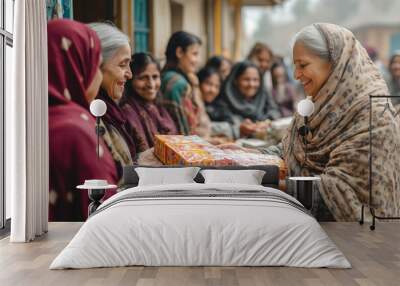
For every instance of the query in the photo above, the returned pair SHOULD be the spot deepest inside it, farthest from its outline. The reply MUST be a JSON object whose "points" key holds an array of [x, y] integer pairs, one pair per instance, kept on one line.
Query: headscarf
{"points": [[75, 53], [178, 98], [147, 119], [259, 108], [338, 145], [73, 58]]}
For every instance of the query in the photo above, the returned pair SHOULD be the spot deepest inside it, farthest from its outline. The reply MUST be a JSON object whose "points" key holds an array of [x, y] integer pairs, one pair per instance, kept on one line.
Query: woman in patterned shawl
{"points": [[74, 80], [116, 53], [141, 102], [179, 85], [337, 73]]}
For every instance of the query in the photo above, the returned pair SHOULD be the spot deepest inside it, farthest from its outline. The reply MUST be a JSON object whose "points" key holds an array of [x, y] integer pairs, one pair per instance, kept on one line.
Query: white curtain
{"points": [[27, 157]]}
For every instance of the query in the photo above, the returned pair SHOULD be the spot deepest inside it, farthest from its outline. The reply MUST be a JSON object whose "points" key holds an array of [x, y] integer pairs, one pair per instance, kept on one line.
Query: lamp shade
{"points": [[98, 107], [305, 107]]}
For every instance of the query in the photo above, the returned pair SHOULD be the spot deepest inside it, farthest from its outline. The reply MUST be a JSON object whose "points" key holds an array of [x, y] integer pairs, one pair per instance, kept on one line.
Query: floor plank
{"points": [[374, 255]]}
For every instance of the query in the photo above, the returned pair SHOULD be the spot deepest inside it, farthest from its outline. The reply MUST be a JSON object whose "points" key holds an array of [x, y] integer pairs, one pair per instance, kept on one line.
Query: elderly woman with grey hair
{"points": [[116, 53], [337, 73]]}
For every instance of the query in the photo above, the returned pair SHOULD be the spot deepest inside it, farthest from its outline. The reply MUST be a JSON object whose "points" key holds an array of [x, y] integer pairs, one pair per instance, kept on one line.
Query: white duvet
{"points": [[188, 231]]}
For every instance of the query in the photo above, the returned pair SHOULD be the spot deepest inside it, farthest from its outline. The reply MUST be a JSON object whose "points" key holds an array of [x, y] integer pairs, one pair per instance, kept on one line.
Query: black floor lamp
{"points": [[97, 188], [305, 108], [98, 108], [304, 185]]}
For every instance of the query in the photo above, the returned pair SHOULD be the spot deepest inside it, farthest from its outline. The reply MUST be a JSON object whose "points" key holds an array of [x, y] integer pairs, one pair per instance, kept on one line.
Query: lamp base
{"points": [[95, 195], [304, 191]]}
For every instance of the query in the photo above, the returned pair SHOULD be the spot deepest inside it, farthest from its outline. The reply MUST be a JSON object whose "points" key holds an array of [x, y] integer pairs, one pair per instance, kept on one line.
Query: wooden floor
{"points": [[375, 257]]}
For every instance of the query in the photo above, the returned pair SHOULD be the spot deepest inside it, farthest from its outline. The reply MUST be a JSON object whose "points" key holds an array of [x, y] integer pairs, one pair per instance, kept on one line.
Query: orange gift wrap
{"points": [[193, 150], [188, 150]]}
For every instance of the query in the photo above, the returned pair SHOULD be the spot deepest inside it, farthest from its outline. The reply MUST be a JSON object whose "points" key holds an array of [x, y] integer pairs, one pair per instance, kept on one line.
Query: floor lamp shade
{"points": [[98, 108], [305, 107]]}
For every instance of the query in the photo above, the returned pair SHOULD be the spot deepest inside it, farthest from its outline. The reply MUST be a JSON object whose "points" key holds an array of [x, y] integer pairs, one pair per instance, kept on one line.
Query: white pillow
{"points": [[248, 177], [166, 176]]}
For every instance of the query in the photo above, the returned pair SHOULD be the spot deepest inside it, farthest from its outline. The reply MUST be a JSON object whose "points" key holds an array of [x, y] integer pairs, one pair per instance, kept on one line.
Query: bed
{"points": [[198, 224]]}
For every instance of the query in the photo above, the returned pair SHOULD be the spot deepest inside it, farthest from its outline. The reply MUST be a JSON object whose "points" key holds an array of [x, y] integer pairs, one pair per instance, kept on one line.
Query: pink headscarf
{"points": [[74, 55]]}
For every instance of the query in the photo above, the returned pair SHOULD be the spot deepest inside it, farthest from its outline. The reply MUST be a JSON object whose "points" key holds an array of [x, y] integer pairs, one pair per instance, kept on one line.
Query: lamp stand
{"points": [[304, 193], [99, 131], [95, 196], [303, 131]]}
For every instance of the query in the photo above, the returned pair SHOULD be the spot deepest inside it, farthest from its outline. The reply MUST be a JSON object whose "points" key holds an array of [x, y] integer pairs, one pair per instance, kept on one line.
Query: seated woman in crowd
{"points": [[116, 53], [337, 73], [221, 64], [179, 85], [394, 79], [283, 93], [263, 57], [244, 100], [210, 87], [141, 105], [74, 59]]}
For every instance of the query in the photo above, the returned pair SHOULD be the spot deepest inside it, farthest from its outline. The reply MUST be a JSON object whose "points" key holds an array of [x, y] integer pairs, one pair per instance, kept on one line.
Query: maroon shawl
{"points": [[147, 119], [115, 118], [73, 56]]}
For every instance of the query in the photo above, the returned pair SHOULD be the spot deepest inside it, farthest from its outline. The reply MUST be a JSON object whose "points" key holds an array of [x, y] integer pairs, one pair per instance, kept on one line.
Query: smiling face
{"points": [[147, 83], [248, 82], [210, 88], [311, 70], [188, 59], [116, 72]]}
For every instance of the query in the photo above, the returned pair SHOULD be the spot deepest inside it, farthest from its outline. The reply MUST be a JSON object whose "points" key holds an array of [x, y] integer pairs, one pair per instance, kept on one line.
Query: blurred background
{"points": [[231, 27]]}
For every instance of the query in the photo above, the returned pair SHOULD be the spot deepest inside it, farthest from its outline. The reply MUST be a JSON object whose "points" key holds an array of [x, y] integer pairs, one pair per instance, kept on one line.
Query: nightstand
{"points": [[96, 190], [304, 190]]}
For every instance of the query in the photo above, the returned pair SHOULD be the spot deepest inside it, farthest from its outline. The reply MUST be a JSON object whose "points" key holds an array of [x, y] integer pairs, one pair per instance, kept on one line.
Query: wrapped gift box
{"points": [[188, 150], [193, 150]]}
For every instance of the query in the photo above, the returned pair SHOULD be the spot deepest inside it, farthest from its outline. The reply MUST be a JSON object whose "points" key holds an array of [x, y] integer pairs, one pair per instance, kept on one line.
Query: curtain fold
{"points": [[27, 122]]}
